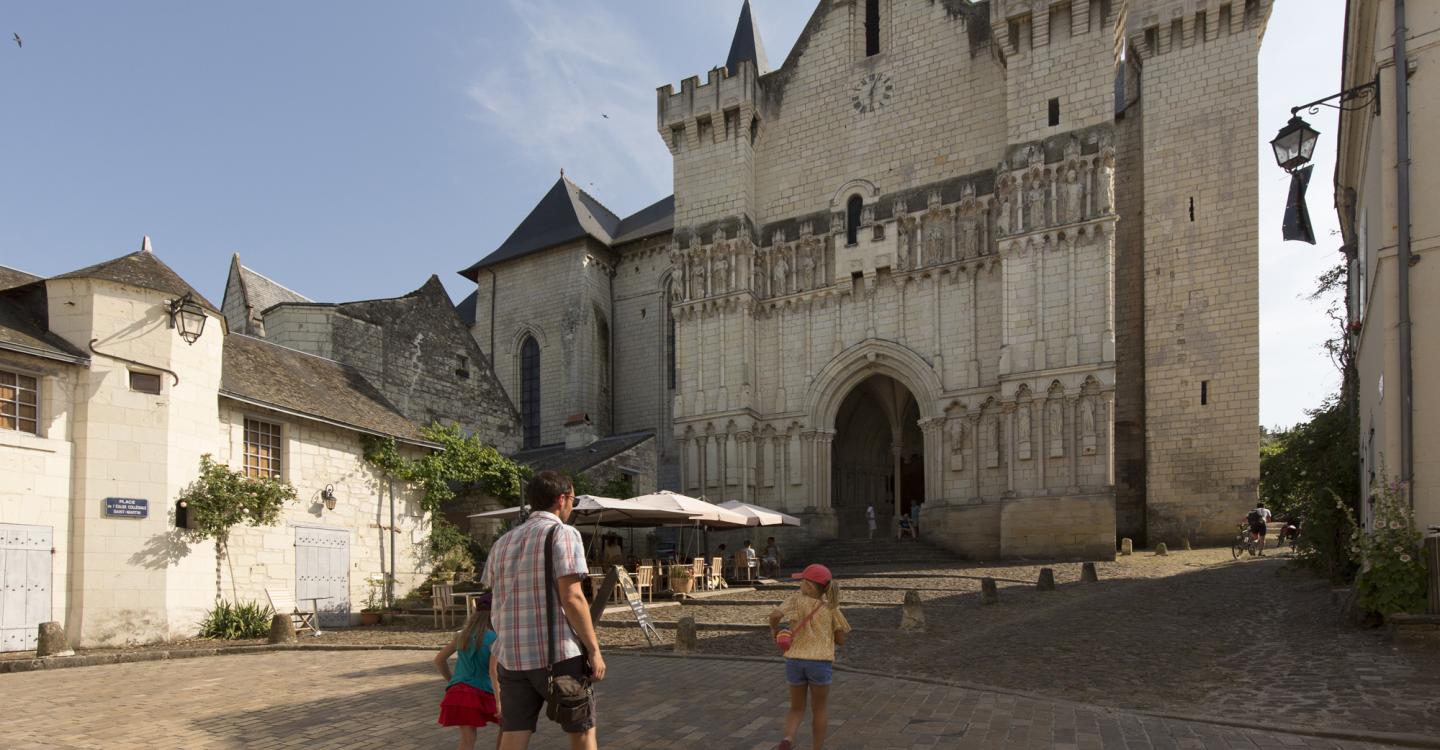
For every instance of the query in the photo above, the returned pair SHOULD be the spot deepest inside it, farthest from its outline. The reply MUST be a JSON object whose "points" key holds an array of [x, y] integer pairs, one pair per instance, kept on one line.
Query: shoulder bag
{"points": [[567, 698], [786, 636]]}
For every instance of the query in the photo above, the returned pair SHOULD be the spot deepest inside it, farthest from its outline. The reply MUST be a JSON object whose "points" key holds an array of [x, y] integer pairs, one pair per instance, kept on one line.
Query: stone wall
{"points": [[1201, 264], [640, 314]]}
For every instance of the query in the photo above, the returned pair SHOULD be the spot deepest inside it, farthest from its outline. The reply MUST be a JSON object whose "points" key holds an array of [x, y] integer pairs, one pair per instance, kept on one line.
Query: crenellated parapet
{"points": [[721, 108], [1158, 27], [1020, 26]]}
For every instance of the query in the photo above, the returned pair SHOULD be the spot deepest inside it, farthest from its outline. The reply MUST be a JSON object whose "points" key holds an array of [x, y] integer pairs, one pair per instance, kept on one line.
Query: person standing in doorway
{"points": [[870, 520], [515, 572], [915, 517]]}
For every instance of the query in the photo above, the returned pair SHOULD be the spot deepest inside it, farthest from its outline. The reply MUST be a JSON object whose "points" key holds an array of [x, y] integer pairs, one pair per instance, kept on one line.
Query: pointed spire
{"points": [[145, 245], [747, 44]]}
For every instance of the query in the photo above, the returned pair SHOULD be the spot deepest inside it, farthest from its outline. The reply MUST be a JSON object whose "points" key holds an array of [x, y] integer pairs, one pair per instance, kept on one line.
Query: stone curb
{"points": [[1387, 738]]}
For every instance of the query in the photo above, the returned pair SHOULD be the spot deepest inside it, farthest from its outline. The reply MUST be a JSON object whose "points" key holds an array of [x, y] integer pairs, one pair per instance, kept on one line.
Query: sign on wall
{"points": [[126, 507]]}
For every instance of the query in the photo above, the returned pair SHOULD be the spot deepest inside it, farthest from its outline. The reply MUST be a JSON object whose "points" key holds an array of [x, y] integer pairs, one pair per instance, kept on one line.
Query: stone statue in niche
{"points": [[1035, 203], [1034, 155], [701, 290], [1072, 193], [779, 273], [1087, 426], [1022, 432], [721, 282], [934, 240], [679, 288], [1105, 182], [903, 244], [757, 276], [806, 262], [957, 444], [837, 222], [1055, 421], [1002, 216], [1072, 149], [992, 442]]}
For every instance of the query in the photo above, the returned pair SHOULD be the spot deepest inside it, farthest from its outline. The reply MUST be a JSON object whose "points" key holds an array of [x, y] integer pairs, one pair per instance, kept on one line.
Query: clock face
{"points": [[872, 93]]}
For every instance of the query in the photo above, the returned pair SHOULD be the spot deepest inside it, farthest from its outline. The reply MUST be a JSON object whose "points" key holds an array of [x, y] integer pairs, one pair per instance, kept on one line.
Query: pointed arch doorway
{"points": [[877, 455]]}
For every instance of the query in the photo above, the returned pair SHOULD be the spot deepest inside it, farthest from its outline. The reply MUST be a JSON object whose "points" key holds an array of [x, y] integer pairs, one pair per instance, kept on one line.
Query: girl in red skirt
{"points": [[470, 698]]}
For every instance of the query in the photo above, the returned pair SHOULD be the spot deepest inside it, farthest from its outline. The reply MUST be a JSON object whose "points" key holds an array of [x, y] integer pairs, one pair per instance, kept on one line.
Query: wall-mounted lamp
{"points": [[328, 495], [187, 315]]}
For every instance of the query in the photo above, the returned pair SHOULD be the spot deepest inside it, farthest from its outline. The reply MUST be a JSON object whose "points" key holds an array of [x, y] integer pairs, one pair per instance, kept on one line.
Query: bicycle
{"points": [[1244, 542]]}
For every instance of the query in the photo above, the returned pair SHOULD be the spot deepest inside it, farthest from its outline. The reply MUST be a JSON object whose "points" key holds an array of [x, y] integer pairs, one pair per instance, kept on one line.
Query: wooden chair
{"points": [[645, 581], [740, 567], [442, 598], [282, 600], [697, 574], [717, 573]]}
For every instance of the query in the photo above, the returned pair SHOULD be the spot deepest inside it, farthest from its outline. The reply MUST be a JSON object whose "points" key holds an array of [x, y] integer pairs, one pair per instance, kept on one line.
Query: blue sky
{"points": [[349, 150]]}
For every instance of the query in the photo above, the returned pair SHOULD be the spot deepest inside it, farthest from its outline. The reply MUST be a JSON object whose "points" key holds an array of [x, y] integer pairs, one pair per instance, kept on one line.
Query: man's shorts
{"points": [[1258, 528], [809, 672], [522, 695]]}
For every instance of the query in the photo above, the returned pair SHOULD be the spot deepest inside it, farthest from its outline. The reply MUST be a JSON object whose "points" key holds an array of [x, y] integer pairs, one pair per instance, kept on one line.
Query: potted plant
{"points": [[370, 613], [682, 579]]}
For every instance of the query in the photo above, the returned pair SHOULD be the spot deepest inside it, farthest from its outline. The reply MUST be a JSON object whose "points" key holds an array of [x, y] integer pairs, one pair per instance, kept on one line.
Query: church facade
{"points": [[996, 260]]}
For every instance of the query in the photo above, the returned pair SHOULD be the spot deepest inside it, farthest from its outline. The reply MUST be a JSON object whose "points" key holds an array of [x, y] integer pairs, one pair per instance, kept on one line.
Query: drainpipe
{"points": [[1402, 210], [391, 582], [492, 316]]}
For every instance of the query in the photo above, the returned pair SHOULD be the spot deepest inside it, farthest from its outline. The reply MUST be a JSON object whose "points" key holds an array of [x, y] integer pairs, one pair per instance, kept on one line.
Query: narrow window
{"points": [[263, 448], [19, 403], [852, 219], [530, 392], [1054, 112], [872, 28], [670, 338], [1192, 208], [754, 129], [677, 136], [1204, 392], [144, 382], [462, 367]]}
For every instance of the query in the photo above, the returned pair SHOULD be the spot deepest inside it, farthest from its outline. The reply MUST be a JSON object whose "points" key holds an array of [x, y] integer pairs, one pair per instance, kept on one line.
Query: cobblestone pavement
{"points": [[388, 699]]}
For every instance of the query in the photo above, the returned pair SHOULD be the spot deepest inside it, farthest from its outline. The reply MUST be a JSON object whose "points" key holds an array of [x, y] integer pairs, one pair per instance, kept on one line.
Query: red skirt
{"points": [[466, 706]]}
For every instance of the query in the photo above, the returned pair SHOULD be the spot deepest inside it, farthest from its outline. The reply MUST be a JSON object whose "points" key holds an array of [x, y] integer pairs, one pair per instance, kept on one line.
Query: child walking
{"points": [[472, 697], [817, 626]]}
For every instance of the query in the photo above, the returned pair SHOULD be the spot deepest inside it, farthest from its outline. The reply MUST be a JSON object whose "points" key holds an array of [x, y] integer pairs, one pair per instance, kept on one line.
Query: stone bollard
{"points": [[53, 641], [1161, 550], [911, 616], [1126, 546], [1087, 573], [687, 640], [989, 594], [282, 630], [1047, 580]]}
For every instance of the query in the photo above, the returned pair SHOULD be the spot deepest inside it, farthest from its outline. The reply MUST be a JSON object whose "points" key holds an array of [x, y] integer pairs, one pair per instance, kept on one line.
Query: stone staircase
{"points": [[854, 554]]}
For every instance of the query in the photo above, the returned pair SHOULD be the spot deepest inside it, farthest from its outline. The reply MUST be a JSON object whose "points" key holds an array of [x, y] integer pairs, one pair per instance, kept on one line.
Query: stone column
{"points": [[824, 439], [933, 430], [1008, 454], [685, 463], [975, 465], [1108, 422], [743, 446], [1072, 343], [1073, 437], [896, 450], [1037, 352], [724, 463]]}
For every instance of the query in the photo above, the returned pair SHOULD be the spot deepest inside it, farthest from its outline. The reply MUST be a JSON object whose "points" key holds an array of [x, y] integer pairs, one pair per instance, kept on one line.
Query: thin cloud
{"points": [[573, 67]]}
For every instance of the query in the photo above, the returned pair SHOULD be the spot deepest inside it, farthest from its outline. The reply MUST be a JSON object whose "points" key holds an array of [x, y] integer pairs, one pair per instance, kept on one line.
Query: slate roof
{"points": [[141, 269], [565, 214], [556, 458], [466, 308], [263, 292], [289, 380], [21, 331], [656, 218], [747, 44], [13, 277]]}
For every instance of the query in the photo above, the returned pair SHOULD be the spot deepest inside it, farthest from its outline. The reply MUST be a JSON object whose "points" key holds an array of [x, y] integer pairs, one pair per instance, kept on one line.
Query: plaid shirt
{"points": [[515, 571]]}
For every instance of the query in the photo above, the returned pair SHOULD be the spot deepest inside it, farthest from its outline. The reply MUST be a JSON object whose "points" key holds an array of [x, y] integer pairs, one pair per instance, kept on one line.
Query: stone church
{"points": [[997, 260]]}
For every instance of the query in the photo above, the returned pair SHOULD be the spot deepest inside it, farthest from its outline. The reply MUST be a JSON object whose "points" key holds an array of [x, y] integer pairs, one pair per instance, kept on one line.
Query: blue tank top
{"points": [[472, 665]]}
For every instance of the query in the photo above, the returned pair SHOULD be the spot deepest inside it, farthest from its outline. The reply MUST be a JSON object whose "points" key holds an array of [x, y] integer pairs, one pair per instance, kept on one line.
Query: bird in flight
{"points": [[602, 114], [18, 41]]}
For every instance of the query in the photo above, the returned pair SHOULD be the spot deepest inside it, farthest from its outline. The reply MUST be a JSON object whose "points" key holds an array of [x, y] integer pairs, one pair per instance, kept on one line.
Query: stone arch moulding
{"points": [[866, 189], [523, 330], [871, 357]]}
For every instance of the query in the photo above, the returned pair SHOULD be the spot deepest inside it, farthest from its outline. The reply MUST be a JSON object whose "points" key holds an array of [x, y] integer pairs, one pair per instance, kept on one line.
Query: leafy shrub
{"points": [[1392, 572], [231, 622]]}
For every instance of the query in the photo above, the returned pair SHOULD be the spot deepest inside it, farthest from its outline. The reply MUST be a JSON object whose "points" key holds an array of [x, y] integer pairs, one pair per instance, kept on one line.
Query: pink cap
{"points": [[815, 573]]}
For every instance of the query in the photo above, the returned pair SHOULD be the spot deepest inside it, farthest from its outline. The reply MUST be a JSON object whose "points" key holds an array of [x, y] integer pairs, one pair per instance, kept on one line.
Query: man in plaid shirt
{"points": [[515, 572]]}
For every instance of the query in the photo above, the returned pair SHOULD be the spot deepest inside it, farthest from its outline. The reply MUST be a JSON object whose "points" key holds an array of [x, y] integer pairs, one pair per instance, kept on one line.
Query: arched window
{"points": [[852, 219], [530, 392], [872, 27]]}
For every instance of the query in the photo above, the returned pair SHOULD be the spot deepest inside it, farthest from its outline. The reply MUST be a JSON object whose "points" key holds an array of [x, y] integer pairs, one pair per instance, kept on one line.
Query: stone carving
{"points": [[992, 442], [1072, 197], [1002, 216], [701, 291], [679, 289], [757, 276], [1072, 149], [1105, 182], [1034, 155], [1055, 421], [957, 444], [1035, 204], [902, 247], [933, 231], [1022, 433], [806, 262], [1087, 426], [780, 272], [721, 282]]}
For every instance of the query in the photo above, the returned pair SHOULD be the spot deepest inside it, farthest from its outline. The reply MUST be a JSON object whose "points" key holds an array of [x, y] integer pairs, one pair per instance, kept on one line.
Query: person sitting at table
{"points": [[748, 559], [614, 553], [770, 558]]}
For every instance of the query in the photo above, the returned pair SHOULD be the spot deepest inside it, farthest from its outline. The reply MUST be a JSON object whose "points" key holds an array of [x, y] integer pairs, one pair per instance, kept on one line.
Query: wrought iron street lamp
{"points": [[188, 316], [1295, 144]]}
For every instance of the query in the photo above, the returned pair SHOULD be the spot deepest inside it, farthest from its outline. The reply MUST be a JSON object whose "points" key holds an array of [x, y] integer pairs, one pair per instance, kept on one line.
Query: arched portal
{"points": [[877, 455]]}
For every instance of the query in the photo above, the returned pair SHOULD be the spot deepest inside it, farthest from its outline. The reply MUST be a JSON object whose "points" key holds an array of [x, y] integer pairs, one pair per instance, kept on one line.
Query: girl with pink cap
{"points": [[809, 646]]}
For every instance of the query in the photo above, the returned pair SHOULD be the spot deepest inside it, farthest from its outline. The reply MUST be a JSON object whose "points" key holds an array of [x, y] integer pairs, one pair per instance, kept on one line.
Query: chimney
{"points": [[579, 432]]}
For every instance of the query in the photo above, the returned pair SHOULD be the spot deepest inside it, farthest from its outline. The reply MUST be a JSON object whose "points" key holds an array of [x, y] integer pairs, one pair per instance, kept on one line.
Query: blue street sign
{"points": [[126, 507]]}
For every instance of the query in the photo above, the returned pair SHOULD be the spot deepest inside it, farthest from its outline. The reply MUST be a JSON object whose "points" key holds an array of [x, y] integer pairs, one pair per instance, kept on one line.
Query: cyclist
{"points": [[1257, 519]]}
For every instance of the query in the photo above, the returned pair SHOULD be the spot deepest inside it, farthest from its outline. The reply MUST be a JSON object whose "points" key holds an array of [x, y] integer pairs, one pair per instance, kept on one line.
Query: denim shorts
{"points": [[809, 671]]}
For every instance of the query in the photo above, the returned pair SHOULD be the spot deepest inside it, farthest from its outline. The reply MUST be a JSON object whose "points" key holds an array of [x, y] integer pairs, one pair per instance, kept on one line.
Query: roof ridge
{"points": [[244, 267]]}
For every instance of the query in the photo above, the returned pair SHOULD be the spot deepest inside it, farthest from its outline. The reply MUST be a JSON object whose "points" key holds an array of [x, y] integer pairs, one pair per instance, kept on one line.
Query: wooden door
{"points": [[25, 587], [322, 569]]}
